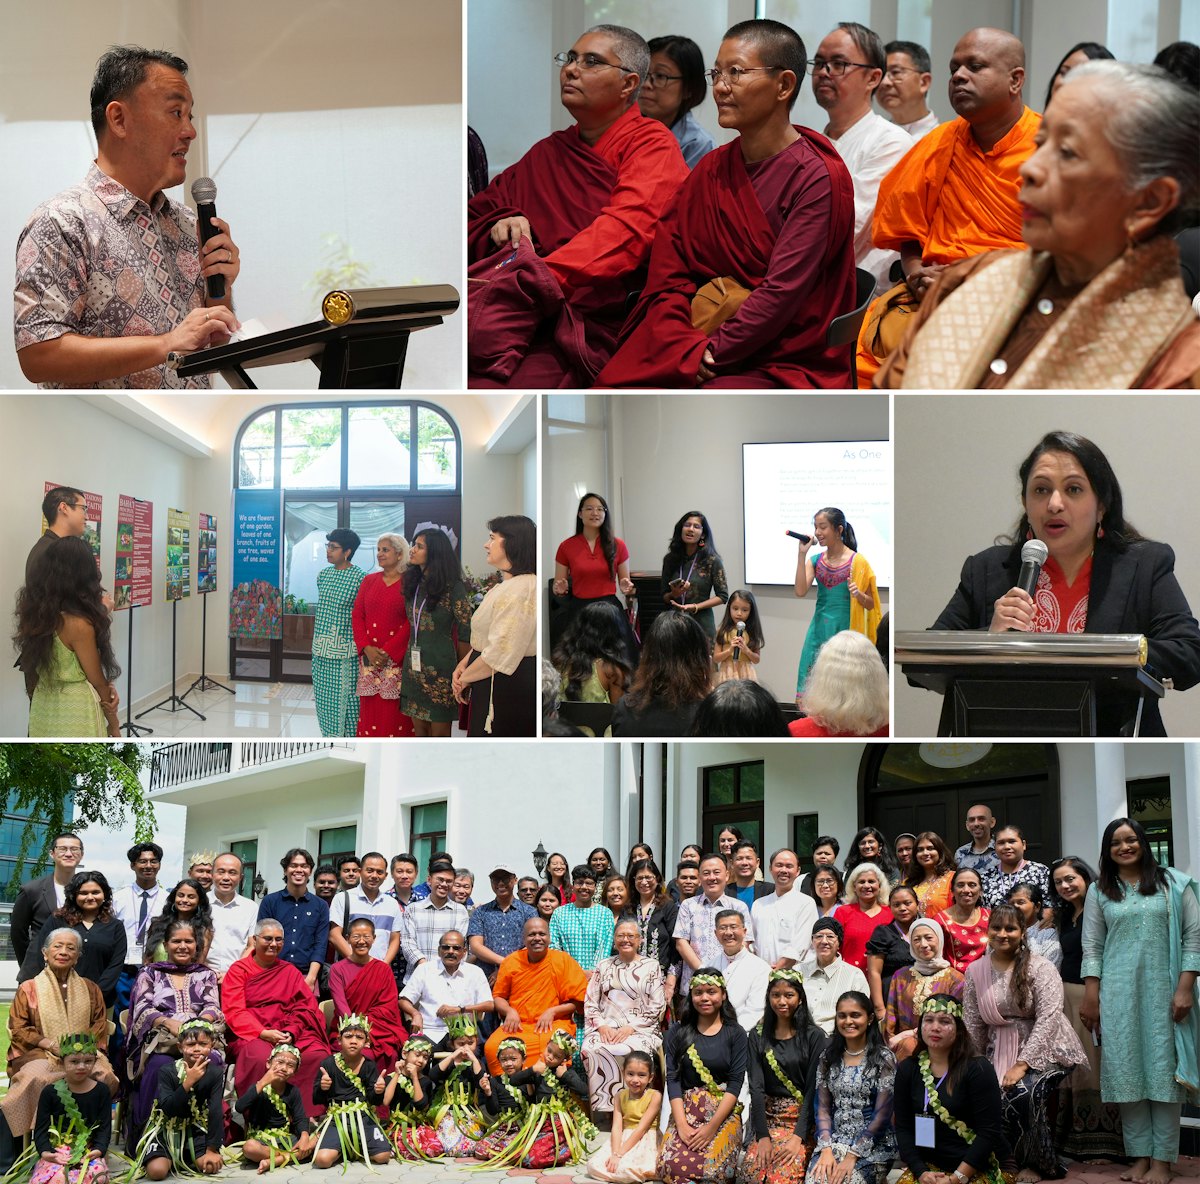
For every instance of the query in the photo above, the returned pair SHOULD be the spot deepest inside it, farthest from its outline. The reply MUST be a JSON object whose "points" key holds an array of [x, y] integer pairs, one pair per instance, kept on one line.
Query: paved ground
{"points": [[442, 1173]]}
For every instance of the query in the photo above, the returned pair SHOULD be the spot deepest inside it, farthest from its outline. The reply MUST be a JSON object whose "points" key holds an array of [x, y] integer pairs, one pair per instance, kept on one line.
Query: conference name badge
{"points": [[415, 656], [926, 1135]]}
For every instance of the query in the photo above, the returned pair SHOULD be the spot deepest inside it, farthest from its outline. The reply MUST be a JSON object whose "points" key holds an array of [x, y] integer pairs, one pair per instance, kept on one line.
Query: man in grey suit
{"points": [[39, 898]]}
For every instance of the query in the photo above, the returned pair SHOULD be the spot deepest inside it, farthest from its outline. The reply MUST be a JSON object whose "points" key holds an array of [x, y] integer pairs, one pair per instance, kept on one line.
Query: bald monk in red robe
{"points": [[560, 239], [955, 194], [773, 211]]}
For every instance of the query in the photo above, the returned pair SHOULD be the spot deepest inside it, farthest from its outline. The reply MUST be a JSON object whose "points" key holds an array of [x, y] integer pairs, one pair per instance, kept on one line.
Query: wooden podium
{"points": [[360, 343], [1026, 684]]}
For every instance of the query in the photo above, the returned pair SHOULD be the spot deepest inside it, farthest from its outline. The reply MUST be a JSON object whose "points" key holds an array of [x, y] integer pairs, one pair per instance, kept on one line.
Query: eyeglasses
{"points": [[588, 62], [836, 67], [443, 946], [735, 74], [271, 941], [657, 79], [61, 850], [897, 72]]}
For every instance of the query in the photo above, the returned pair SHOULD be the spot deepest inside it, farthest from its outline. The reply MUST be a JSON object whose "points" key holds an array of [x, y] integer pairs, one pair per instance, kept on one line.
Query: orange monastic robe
{"points": [[954, 199], [532, 988]]}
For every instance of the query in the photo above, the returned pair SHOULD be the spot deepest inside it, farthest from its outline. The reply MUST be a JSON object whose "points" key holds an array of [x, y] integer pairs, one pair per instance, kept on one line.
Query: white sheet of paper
{"points": [[251, 328]]}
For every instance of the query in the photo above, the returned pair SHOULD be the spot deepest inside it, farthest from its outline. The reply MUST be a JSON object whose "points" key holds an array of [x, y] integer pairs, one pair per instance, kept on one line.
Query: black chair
{"points": [[844, 330], [593, 719]]}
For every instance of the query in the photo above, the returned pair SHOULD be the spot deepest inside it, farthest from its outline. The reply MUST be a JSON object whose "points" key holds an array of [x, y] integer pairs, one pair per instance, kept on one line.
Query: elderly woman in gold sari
{"points": [[53, 1004], [1098, 300]]}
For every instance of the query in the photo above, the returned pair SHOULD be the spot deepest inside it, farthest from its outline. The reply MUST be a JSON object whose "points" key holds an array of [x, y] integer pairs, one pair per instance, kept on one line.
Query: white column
{"points": [[652, 799], [1185, 812], [1112, 795], [613, 774]]}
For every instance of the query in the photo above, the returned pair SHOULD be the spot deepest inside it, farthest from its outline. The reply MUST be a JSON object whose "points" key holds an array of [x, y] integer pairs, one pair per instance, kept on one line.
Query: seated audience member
{"points": [[740, 708], [593, 657], [1079, 53], [268, 1002], [363, 985], [848, 68], [671, 680], [57, 996], [1182, 60], [537, 992], [445, 986], [755, 258], [847, 690], [957, 1091], [674, 85], [826, 976], [575, 217], [1098, 299], [165, 995], [955, 193], [905, 87]]}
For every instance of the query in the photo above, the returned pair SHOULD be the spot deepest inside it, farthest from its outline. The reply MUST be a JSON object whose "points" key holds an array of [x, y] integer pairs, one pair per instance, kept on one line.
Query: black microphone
{"points": [[204, 193], [1033, 555], [804, 538], [741, 628]]}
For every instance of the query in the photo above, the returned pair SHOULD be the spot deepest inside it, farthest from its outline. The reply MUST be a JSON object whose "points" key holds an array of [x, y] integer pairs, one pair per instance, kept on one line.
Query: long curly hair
{"points": [[64, 580], [945, 861], [436, 577], [200, 921], [596, 635], [70, 913], [677, 552], [886, 860]]}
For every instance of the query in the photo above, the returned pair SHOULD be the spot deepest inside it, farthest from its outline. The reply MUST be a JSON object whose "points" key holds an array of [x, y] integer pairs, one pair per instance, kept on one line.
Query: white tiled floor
{"points": [[280, 710]]}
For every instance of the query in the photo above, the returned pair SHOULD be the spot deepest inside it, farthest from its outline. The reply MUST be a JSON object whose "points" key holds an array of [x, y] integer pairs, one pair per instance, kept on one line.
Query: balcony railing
{"points": [[177, 764]]}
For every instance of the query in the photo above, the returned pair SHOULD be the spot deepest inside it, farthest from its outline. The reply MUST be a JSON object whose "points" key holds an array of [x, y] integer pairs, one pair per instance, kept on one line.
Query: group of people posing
{"points": [[971, 1012], [627, 251], [694, 674], [401, 651]]}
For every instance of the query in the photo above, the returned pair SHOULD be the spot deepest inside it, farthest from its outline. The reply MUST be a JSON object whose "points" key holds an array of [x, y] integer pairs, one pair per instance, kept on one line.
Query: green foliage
{"points": [[101, 781], [339, 268], [296, 604]]}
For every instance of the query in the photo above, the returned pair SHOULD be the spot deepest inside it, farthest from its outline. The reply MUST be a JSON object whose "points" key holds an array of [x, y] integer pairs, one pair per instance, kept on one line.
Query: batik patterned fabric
{"points": [[97, 261], [716, 1161]]}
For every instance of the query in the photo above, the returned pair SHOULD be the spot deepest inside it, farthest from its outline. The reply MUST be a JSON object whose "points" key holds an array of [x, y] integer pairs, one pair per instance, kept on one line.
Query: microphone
{"points": [[804, 538], [204, 193], [737, 653], [1033, 555]]}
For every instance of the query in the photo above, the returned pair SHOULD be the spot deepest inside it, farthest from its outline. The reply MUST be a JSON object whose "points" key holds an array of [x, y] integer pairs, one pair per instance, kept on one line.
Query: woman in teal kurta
{"points": [[335, 659], [846, 594], [1141, 957]]}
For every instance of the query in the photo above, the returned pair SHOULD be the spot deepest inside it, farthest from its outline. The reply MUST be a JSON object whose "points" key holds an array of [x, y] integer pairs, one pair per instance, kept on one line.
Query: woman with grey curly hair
{"points": [[847, 690], [1098, 300], [381, 633]]}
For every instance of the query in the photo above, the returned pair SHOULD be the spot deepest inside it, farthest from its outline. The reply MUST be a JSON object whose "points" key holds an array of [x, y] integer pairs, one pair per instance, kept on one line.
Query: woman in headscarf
{"points": [[930, 974]]}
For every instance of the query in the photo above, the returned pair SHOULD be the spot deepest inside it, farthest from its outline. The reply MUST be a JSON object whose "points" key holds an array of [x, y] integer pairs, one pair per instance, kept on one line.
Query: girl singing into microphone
{"points": [[737, 651]]}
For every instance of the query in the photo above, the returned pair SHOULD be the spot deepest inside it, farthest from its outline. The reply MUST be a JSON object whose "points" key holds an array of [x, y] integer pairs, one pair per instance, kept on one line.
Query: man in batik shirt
{"points": [[110, 273]]}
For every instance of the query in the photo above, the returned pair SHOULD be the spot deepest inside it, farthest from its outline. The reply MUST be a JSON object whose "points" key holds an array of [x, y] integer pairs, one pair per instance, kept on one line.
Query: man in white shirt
{"points": [[826, 976], [905, 86], [135, 907], [745, 973], [233, 915], [695, 926], [784, 919], [367, 899], [846, 69], [443, 986]]}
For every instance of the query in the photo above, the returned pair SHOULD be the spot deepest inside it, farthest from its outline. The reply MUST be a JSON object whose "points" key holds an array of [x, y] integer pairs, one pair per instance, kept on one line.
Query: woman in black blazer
{"points": [[1100, 576]]}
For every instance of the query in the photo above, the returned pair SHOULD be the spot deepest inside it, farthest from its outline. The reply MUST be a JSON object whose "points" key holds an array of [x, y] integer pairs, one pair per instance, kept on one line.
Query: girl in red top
{"points": [[590, 565]]}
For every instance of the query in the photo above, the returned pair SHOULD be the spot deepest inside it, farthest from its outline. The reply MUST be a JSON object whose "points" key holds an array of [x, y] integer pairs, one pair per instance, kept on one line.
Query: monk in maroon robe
{"points": [[266, 1002], [588, 200], [369, 988], [773, 211]]}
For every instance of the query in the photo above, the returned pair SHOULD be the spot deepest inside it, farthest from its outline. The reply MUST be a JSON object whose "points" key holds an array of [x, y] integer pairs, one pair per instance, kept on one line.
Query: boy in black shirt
{"points": [[74, 1119], [350, 1086], [276, 1124]]}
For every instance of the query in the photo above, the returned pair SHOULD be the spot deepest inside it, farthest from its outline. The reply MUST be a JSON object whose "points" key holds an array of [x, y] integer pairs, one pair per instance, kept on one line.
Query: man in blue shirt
{"points": [[303, 915], [497, 928]]}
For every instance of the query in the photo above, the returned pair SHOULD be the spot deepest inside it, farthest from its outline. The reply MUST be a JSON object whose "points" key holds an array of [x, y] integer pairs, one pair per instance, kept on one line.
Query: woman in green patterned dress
{"points": [[1141, 959], [439, 613], [693, 575], [335, 659], [62, 634]]}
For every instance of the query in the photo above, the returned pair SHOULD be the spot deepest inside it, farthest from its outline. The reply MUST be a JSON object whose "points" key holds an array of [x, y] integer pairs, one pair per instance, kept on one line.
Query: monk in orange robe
{"points": [[955, 192], [537, 990], [559, 240]]}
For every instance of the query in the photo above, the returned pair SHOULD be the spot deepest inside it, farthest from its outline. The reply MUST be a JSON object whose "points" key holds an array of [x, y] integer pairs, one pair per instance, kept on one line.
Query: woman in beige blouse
{"points": [[503, 657]]}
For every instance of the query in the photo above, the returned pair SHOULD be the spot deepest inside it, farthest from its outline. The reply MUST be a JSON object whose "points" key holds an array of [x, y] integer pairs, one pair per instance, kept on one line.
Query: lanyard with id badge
{"points": [[414, 651], [925, 1134]]}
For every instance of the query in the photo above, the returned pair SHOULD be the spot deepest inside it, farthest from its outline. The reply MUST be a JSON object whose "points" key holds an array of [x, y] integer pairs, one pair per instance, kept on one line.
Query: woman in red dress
{"points": [[381, 632]]}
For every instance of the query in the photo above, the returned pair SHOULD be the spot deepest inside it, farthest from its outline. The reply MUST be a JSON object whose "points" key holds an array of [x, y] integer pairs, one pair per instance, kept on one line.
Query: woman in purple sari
{"points": [[164, 995]]}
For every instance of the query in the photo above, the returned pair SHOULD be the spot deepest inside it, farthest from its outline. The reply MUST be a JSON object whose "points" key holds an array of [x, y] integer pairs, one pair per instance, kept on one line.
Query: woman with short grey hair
{"points": [[1098, 301]]}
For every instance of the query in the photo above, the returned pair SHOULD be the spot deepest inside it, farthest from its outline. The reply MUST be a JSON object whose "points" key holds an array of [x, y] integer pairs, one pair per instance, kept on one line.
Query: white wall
{"points": [[957, 489], [663, 455]]}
